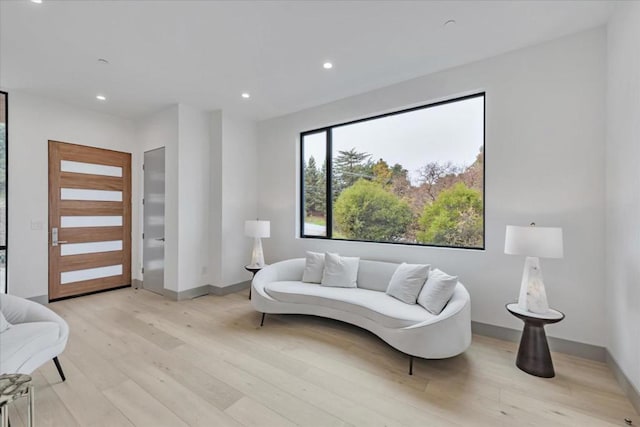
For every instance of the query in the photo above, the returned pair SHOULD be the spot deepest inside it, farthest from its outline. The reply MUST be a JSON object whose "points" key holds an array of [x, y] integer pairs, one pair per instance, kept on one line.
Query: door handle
{"points": [[54, 237], [161, 239]]}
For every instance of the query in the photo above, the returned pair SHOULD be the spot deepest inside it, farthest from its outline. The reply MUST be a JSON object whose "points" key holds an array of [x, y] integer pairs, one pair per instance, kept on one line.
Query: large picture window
{"points": [[414, 176]]}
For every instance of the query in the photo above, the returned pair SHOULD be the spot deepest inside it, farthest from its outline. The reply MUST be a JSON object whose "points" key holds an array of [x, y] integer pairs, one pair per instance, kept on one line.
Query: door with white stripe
{"points": [[89, 219]]}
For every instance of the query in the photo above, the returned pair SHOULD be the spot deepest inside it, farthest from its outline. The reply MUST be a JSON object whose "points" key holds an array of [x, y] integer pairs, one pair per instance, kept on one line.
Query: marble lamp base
{"points": [[257, 256], [533, 297]]}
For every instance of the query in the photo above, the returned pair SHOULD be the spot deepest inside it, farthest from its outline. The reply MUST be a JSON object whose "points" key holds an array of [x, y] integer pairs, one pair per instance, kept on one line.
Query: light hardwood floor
{"points": [[135, 358]]}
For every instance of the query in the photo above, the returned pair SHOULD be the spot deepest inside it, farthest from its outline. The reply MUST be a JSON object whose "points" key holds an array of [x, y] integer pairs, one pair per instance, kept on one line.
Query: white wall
{"points": [[184, 132], [234, 196], [215, 203], [33, 121], [193, 196], [161, 130], [623, 194], [544, 163], [210, 191], [239, 195]]}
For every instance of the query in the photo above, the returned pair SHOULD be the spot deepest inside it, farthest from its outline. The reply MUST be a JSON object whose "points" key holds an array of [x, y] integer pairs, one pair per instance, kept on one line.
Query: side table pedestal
{"points": [[253, 270], [534, 356]]}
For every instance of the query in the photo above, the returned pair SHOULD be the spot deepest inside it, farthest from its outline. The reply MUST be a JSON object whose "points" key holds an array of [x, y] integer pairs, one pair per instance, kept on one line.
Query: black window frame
{"points": [[329, 172]]}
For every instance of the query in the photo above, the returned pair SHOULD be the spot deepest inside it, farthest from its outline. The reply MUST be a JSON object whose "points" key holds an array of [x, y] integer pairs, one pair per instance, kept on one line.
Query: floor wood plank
{"points": [[140, 407], [252, 414], [136, 358]]}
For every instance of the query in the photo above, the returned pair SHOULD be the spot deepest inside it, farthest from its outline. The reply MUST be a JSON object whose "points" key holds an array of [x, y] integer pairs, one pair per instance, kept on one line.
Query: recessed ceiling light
{"points": [[450, 23], [103, 61], [101, 97], [36, 1], [327, 65], [246, 95]]}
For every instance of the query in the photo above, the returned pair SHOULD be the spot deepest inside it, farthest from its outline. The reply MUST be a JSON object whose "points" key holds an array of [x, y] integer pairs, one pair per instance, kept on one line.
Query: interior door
{"points": [[153, 221], [89, 219]]}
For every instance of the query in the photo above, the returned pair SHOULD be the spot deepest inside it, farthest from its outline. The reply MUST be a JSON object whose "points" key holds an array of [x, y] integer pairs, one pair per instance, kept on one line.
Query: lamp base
{"points": [[533, 296], [257, 256]]}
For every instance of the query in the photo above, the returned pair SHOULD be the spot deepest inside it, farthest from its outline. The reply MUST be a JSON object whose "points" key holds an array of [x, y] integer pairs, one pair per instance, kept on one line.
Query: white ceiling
{"points": [[205, 53]]}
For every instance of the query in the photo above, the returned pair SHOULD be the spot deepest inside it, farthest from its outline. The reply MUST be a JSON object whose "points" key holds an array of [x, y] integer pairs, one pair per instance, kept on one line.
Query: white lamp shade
{"points": [[257, 228], [542, 242]]}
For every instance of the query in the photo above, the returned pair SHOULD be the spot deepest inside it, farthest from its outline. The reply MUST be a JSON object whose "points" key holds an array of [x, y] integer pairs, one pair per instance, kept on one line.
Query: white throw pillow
{"points": [[313, 267], [340, 271], [407, 281], [4, 325], [437, 292]]}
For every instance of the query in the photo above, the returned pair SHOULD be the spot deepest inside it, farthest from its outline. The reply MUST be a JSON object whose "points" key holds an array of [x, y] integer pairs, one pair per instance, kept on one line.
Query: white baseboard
{"points": [[574, 348], [628, 388]]}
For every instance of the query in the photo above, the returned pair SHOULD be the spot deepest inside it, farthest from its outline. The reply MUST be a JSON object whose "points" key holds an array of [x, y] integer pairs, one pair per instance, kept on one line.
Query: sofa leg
{"points": [[262, 321], [410, 365], [57, 362]]}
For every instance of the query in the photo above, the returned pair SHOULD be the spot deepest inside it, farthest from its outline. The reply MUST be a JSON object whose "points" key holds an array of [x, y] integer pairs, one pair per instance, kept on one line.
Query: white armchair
{"points": [[36, 335]]}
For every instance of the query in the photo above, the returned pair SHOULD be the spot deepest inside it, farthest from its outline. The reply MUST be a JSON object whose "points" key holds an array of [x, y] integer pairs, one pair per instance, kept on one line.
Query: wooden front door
{"points": [[89, 219]]}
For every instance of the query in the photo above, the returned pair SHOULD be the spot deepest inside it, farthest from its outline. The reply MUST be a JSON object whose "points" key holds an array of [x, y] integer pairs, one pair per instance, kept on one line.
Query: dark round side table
{"points": [[533, 354], [254, 271]]}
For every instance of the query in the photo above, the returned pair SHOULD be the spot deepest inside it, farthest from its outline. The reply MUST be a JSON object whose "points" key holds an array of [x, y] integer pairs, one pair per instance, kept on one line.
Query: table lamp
{"points": [[533, 242], [257, 229]]}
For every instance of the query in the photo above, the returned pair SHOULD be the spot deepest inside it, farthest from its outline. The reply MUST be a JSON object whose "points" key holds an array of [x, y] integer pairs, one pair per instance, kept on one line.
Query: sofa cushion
{"points": [[313, 267], [376, 306], [375, 275], [22, 340], [407, 281], [4, 325], [437, 292], [340, 271]]}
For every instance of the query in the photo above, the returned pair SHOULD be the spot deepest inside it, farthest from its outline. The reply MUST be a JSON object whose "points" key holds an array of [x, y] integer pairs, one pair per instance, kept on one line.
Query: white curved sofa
{"points": [[278, 288], [36, 335]]}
